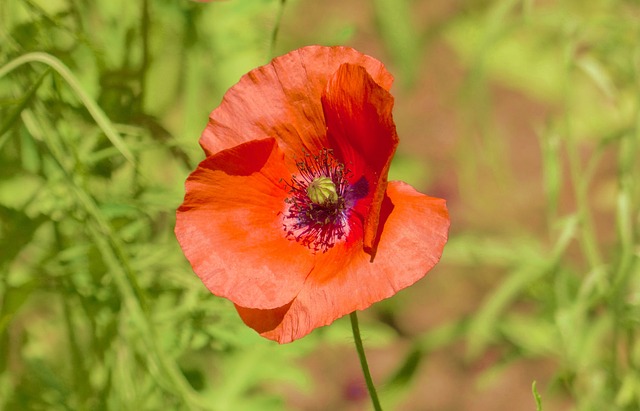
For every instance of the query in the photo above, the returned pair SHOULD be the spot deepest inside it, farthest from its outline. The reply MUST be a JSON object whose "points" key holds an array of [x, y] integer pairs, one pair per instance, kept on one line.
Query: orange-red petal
{"points": [[231, 231], [282, 100], [413, 231], [360, 128]]}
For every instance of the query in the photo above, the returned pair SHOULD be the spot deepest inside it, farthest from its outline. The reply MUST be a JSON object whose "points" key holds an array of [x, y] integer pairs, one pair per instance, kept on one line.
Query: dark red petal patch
{"points": [[360, 126]]}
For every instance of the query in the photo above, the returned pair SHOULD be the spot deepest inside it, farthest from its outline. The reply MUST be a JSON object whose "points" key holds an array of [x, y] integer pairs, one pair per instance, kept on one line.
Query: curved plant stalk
{"points": [[276, 29], [92, 107], [363, 362]]}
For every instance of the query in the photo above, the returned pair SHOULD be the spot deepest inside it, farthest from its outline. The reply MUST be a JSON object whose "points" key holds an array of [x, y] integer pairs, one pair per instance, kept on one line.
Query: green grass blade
{"points": [[92, 107]]}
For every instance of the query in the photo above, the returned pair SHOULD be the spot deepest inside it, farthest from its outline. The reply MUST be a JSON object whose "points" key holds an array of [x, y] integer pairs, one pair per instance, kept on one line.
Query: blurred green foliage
{"points": [[101, 104]]}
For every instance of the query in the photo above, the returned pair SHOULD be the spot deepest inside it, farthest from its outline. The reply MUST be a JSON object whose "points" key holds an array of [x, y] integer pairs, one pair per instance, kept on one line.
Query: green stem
{"points": [[276, 29], [363, 362]]}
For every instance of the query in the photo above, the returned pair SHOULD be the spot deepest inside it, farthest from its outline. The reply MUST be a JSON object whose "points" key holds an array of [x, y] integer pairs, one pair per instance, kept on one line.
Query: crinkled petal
{"points": [[413, 231], [231, 231], [282, 100], [360, 128]]}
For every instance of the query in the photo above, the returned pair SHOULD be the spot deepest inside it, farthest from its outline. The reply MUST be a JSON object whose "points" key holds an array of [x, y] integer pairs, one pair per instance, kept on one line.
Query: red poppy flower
{"points": [[291, 216]]}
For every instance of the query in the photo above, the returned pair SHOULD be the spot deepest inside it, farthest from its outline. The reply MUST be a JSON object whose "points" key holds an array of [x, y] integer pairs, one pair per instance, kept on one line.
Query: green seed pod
{"points": [[322, 191]]}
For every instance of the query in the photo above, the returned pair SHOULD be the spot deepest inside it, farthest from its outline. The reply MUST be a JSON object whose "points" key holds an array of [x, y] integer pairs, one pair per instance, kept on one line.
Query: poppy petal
{"points": [[230, 227], [282, 100], [415, 230], [360, 127]]}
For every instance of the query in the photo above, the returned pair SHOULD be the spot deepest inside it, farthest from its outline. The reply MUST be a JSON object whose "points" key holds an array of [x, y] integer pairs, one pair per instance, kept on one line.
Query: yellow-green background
{"points": [[524, 115]]}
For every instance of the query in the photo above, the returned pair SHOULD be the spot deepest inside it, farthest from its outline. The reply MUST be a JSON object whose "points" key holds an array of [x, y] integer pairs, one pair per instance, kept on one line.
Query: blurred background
{"points": [[524, 115]]}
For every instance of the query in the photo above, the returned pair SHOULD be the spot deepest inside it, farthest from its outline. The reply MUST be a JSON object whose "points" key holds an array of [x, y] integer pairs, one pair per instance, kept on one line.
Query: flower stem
{"points": [[363, 362], [276, 29]]}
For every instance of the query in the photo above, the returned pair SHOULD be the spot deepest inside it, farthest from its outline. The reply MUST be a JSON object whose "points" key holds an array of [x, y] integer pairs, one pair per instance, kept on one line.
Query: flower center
{"points": [[318, 206], [322, 191]]}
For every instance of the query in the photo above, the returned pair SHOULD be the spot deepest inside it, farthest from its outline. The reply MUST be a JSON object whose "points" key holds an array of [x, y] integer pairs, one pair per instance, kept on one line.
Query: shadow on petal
{"points": [[385, 210], [263, 320], [242, 160]]}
